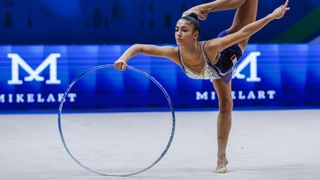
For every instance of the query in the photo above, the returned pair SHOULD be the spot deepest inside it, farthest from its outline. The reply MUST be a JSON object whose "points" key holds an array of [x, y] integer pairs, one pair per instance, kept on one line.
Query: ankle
{"points": [[221, 155]]}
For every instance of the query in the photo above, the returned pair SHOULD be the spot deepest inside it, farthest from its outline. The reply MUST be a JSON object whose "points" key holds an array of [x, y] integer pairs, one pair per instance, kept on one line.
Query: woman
{"points": [[213, 59]]}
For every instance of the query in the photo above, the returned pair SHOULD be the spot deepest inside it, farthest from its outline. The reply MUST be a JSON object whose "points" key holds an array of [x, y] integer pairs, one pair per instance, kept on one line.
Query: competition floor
{"points": [[281, 145]]}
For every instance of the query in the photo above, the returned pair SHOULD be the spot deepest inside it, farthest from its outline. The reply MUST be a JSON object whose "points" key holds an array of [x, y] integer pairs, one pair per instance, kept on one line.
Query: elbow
{"points": [[137, 48]]}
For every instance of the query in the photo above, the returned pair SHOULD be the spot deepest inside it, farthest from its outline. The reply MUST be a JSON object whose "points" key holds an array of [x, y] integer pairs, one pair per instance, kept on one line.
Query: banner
{"points": [[35, 78]]}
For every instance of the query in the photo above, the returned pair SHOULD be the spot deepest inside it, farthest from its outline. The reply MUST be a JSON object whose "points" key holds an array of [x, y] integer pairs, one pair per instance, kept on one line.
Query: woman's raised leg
{"points": [[203, 10], [245, 15]]}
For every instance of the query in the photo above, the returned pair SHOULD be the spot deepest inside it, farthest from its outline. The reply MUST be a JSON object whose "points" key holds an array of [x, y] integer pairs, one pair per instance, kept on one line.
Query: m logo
{"points": [[252, 60], [17, 61]]}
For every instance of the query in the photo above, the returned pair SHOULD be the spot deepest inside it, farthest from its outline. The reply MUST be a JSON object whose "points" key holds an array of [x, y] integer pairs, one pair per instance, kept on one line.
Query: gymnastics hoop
{"points": [[132, 69]]}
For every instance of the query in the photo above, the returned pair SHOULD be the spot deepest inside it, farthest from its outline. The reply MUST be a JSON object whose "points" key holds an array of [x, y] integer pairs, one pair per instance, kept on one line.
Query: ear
{"points": [[196, 35]]}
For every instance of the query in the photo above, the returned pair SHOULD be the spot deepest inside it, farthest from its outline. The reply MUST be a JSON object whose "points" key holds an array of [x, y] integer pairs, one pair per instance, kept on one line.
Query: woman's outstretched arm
{"points": [[151, 50], [221, 43]]}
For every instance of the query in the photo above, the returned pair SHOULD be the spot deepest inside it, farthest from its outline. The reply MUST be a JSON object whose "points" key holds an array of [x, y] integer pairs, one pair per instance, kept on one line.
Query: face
{"points": [[184, 33]]}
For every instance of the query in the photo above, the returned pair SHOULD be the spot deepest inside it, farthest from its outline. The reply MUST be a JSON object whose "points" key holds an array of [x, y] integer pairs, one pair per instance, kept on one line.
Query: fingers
{"points": [[117, 66], [285, 6], [202, 17], [197, 10], [286, 3], [186, 13], [120, 65]]}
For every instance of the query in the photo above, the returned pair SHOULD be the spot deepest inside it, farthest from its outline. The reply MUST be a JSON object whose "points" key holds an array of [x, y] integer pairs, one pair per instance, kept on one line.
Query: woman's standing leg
{"points": [[245, 14], [224, 121]]}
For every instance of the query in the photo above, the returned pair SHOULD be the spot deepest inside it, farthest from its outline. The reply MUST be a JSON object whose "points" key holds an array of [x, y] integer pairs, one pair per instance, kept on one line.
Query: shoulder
{"points": [[170, 48], [212, 47], [168, 51], [212, 44], [171, 53], [157, 50]]}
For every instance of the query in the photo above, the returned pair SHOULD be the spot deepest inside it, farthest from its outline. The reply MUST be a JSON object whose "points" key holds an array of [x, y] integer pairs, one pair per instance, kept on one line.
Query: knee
{"points": [[225, 105]]}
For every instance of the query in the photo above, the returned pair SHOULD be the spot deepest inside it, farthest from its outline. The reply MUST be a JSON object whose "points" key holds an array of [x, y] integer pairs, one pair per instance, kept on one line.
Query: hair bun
{"points": [[194, 15]]}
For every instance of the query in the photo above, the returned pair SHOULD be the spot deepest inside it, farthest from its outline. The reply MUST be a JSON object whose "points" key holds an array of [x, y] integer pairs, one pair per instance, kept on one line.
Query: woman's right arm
{"points": [[151, 50]]}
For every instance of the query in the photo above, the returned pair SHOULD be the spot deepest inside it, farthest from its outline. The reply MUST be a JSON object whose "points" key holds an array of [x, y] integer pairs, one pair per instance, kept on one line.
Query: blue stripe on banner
{"points": [[268, 76]]}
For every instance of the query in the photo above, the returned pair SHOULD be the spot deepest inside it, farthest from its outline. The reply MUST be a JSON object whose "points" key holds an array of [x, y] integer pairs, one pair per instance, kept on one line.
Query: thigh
{"points": [[224, 93], [245, 15]]}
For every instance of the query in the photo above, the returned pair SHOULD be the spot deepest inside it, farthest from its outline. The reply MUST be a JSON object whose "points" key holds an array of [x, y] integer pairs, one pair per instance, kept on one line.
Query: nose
{"points": [[179, 34]]}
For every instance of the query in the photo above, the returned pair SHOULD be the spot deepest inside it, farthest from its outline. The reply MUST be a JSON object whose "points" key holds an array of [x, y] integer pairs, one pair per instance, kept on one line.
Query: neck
{"points": [[190, 49], [191, 54]]}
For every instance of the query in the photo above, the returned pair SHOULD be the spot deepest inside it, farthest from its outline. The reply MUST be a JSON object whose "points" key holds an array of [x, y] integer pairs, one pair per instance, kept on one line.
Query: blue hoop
{"points": [[135, 70]]}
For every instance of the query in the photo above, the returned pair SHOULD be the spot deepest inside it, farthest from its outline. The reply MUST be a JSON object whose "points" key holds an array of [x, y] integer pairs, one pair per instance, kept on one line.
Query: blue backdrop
{"points": [[138, 21], [35, 77]]}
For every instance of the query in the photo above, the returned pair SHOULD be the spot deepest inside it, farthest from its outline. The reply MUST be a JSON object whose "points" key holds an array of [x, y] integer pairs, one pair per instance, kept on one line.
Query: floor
{"points": [[281, 145]]}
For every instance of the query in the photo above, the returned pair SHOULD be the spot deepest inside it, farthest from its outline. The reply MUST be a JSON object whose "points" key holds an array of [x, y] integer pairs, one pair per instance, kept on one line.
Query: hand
{"points": [[120, 65], [280, 11], [202, 14]]}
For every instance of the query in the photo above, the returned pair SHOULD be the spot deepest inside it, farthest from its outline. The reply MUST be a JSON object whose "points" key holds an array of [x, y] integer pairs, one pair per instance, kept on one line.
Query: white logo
{"points": [[17, 62], [252, 60]]}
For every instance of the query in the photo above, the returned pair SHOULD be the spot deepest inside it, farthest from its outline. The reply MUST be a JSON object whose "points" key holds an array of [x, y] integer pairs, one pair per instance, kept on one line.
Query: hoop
{"points": [[132, 69]]}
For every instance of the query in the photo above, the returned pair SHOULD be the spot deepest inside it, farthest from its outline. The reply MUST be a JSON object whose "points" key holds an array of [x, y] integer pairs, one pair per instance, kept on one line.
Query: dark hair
{"points": [[193, 19]]}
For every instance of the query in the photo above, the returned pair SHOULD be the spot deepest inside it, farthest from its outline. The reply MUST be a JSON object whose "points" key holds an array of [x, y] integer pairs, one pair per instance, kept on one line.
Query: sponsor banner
{"points": [[35, 78]]}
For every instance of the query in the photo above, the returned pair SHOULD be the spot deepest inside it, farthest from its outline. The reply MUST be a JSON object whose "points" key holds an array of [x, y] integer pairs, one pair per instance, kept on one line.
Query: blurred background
{"points": [[138, 21], [45, 44]]}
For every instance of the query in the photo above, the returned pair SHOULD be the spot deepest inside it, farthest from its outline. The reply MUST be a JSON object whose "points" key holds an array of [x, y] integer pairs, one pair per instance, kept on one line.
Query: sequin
{"points": [[209, 72]]}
